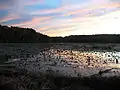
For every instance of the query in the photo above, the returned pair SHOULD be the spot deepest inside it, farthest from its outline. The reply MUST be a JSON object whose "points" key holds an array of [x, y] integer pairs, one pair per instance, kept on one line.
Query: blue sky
{"points": [[63, 17]]}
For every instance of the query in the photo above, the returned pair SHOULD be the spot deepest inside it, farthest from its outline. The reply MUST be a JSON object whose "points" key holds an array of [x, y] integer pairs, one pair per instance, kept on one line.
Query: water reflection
{"points": [[95, 58], [70, 61]]}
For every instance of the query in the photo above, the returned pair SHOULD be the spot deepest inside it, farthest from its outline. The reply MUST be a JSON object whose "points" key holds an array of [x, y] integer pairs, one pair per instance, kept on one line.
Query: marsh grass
{"points": [[21, 79], [30, 81]]}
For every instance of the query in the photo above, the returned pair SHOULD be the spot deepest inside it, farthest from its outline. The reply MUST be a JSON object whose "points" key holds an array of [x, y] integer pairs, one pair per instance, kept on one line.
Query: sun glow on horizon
{"points": [[63, 17], [106, 24]]}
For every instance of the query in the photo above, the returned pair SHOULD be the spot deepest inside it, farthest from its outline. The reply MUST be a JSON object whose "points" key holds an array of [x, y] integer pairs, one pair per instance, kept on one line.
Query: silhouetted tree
{"points": [[17, 34]]}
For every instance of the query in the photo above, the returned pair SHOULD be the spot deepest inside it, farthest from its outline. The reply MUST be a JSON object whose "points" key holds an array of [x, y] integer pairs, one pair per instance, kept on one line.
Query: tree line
{"points": [[25, 35], [17, 34]]}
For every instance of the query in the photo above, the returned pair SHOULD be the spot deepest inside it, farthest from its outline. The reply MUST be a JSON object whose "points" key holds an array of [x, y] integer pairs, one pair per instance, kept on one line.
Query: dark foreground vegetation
{"points": [[14, 79], [17, 34]]}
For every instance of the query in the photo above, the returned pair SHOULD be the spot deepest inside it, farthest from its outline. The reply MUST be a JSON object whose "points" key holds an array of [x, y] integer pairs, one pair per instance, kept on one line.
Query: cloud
{"points": [[17, 20], [9, 17], [84, 9], [6, 4], [97, 8], [59, 32], [7, 1], [55, 27], [116, 1], [74, 2], [35, 21], [61, 17], [108, 23]]}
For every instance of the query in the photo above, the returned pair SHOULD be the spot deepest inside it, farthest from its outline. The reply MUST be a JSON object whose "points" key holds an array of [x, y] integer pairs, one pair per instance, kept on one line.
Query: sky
{"points": [[63, 17]]}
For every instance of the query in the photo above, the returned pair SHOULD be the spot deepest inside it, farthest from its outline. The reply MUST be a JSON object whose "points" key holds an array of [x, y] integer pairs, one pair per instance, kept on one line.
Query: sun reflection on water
{"points": [[97, 59]]}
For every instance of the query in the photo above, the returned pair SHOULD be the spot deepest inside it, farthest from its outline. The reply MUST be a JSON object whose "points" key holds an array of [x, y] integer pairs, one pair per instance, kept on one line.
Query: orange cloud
{"points": [[62, 26], [94, 7], [75, 9], [57, 10], [35, 21], [90, 25], [9, 17], [59, 32]]}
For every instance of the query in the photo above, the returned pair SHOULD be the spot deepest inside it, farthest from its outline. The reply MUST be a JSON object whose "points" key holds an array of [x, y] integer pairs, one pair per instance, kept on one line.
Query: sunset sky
{"points": [[63, 17]]}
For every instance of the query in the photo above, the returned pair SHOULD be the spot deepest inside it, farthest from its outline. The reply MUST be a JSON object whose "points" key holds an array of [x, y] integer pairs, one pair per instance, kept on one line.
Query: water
{"points": [[66, 58]]}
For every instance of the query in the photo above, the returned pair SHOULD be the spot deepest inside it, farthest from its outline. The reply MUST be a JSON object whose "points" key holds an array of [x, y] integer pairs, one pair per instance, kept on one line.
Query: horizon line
{"points": [[60, 36]]}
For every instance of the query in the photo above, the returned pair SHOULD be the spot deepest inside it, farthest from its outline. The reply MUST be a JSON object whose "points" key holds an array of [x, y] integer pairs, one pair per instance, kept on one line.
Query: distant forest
{"points": [[25, 35]]}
